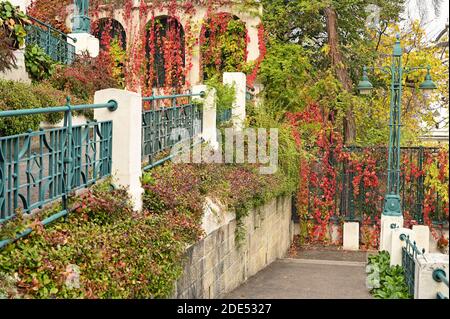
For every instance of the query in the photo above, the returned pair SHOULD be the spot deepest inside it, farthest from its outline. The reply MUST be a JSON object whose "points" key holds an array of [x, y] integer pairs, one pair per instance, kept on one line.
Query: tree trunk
{"points": [[341, 71]]}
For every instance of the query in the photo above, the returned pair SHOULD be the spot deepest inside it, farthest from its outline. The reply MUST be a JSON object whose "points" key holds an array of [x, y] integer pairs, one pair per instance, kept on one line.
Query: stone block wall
{"points": [[218, 264]]}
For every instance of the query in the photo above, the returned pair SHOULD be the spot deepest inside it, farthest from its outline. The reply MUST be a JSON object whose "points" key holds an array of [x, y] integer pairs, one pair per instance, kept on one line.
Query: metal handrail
{"points": [[52, 29], [68, 156], [439, 275], [111, 105], [174, 96], [412, 245]]}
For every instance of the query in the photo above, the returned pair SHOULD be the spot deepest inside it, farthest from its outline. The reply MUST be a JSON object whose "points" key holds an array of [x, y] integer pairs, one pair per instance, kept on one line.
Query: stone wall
{"points": [[217, 264]]}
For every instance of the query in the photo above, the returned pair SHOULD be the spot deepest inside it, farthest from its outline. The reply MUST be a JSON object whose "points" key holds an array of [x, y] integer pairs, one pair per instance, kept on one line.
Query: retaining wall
{"points": [[218, 264]]}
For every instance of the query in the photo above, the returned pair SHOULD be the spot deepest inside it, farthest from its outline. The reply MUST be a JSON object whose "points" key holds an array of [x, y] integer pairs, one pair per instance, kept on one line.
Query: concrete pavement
{"points": [[307, 279]]}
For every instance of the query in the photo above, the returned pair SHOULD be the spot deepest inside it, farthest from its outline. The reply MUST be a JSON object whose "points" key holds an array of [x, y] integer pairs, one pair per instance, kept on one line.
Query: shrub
{"points": [[172, 189], [7, 57], [85, 76], [386, 282], [39, 65], [12, 34], [13, 22], [225, 94], [112, 252], [18, 95], [15, 96], [48, 96]]}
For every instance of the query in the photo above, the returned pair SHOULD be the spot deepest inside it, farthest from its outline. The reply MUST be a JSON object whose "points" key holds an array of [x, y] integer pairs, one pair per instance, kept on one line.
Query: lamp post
{"points": [[81, 22], [392, 212]]}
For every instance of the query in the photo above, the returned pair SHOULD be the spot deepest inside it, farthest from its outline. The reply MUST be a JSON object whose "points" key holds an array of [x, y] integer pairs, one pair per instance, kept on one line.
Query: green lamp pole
{"points": [[392, 202], [81, 21]]}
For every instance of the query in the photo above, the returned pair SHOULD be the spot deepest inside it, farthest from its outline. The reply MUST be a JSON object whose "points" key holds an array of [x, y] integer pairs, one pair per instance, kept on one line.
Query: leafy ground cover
{"points": [[385, 281], [105, 250]]}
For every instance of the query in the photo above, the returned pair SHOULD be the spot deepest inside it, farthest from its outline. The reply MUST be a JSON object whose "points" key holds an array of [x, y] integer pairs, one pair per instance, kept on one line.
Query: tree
{"points": [[335, 36], [340, 69]]}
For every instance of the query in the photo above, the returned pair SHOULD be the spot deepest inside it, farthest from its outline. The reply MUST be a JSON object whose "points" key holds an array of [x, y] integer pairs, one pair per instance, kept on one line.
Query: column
{"points": [[127, 139]]}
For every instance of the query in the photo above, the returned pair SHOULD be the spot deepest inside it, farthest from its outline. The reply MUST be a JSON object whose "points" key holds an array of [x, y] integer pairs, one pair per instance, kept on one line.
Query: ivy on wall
{"points": [[223, 42]]}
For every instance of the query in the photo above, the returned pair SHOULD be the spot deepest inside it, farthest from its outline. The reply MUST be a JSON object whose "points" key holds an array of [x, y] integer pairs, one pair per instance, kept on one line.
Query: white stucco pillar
{"points": [[209, 132], [194, 77], [397, 244], [85, 42], [239, 81], [388, 223], [422, 234], [253, 45], [127, 142], [351, 236], [425, 286]]}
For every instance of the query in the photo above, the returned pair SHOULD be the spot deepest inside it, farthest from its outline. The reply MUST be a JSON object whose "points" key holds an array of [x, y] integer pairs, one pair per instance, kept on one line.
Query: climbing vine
{"points": [[223, 41], [338, 183]]}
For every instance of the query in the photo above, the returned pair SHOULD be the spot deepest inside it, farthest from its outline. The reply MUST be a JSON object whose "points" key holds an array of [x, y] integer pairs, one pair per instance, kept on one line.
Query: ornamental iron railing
{"points": [[166, 121], [354, 199], [224, 116], [410, 251], [40, 167], [51, 40]]}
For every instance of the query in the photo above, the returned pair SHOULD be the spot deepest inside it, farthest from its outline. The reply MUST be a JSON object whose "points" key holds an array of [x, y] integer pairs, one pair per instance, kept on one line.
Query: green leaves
{"points": [[13, 21], [39, 65], [103, 250], [386, 282]]}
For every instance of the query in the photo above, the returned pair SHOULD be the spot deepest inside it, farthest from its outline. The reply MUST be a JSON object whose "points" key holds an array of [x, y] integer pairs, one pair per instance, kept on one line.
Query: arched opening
{"points": [[108, 30], [165, 53], [223, 45], [113, 46]]}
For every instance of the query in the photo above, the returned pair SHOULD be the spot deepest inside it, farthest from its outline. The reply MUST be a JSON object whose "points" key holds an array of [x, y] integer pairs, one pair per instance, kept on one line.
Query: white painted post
{"points": [[351, 236], [209, 133], [425, 286], [397, 244], [239, 81], [127, 142], [422, 237], [388, 223], [85, 43]]}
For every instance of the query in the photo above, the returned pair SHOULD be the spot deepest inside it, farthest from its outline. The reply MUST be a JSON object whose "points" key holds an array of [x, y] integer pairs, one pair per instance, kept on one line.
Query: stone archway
{"points": [[223, 45], [165, 53], [108, 30]]}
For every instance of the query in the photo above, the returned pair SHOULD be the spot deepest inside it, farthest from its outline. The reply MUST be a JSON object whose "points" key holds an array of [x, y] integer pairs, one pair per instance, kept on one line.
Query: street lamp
{"points": [[392, 202], [428, 85], [81, 20]]}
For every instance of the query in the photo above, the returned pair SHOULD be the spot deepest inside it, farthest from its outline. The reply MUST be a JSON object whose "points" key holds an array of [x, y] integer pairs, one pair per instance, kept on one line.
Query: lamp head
{"points": [[428, 85], [365, 87]]}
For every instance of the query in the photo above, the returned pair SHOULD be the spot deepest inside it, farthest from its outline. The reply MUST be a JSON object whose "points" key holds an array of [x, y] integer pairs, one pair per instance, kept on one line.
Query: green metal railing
{"points": [[409, 255], [351, 206], [224, 116], [163, 125], [439, 275], [40, 167], [51, 40]]}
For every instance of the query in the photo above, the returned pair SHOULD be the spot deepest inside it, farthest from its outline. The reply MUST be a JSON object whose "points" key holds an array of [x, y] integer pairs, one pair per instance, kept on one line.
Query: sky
{"points": [[433, 23]]}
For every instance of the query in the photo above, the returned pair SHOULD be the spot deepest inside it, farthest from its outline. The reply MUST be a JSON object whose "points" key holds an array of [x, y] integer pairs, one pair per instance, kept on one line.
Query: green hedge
{"points": [[19, 95]]}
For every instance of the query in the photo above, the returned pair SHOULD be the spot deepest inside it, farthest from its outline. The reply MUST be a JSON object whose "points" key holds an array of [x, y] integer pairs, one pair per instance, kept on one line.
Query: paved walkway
{"points": [[307, 278]]}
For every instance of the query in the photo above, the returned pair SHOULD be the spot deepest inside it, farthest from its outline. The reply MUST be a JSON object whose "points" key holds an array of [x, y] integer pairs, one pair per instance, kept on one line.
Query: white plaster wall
{"points": [[133, 30]]}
